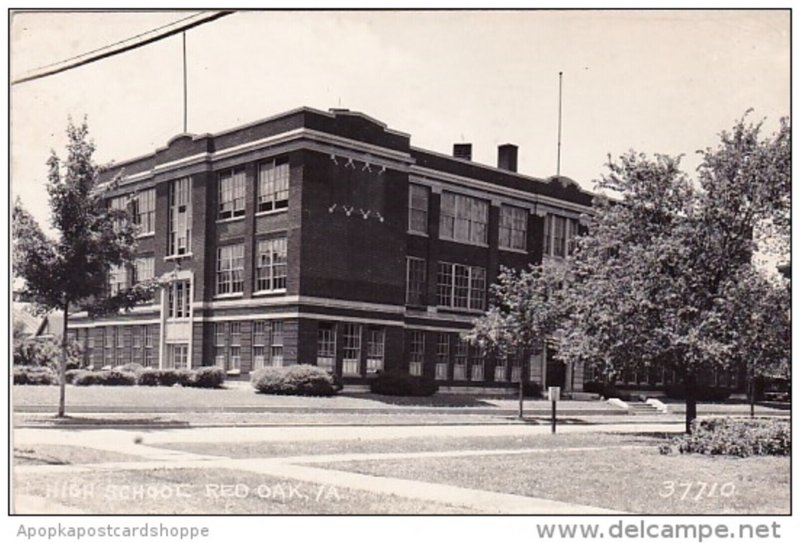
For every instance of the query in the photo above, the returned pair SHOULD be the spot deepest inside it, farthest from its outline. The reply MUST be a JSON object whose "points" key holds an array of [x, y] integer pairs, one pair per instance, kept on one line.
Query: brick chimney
{"points": [[462, 150], [507, 157]]}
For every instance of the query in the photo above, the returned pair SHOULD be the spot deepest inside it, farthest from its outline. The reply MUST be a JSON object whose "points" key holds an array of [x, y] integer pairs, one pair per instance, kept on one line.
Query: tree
{"points": [[71, 271], [656, 279], [524, 311]]}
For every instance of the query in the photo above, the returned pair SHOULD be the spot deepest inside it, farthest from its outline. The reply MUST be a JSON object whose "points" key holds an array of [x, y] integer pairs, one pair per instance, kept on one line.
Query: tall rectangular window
{"points": [[180, 217], [259, 344], [178, 300], [460, 360], [177, 356], [144, 211], [271, 264], [137, 345], [110, 335], [230, 269], [464, 218], [351, 349], [150, 335], [231, 194], [461, 287], [559, 235], [418, 209], [476, 364], [376, 337], [276, 344], [500, 369], [235, 347], [442, 355], [273, 184], [144, 269], [415, 281], [119, 203], [120, 358], [220, 347], [417, 353], [118, 279], [326, 346], [513, 227]]}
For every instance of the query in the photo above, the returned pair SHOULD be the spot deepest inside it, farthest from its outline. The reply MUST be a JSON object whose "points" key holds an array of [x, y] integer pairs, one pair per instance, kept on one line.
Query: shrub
{"points": [[735, 437], [400, 383], [532, 389], [131, 367], [607, 390], [105, 378], [299, 380], [165, 378], [703, 393], [45, 352], [71, 375], [208, 377], [34, 375]]}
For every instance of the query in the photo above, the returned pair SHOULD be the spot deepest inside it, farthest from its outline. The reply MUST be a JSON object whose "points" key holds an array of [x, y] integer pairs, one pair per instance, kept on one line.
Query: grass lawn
{"points": [[637, 481], [279, 449], [195, 491], [67, 454]]}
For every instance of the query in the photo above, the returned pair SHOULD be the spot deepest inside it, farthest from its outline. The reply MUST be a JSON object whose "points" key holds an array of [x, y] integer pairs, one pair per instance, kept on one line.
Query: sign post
{"points": [[553, 394]]}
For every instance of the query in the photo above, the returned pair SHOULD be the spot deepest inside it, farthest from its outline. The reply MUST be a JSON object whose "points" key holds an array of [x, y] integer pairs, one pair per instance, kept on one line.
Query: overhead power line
{"points": [[128, 44]]}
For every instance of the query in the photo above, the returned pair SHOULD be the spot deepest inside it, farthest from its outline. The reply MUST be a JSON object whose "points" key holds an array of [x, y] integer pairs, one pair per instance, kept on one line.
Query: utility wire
{"points": [[161, 32]]}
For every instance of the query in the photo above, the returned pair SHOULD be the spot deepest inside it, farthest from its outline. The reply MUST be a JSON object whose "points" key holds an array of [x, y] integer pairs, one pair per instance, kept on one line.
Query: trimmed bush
{"points": [[71, 375], [608, 390], [703, 393], [34, 375], [735, 437], [208, 377], [165, 378], [299, 380], [400, 383], [105, 378], [532, 389]]}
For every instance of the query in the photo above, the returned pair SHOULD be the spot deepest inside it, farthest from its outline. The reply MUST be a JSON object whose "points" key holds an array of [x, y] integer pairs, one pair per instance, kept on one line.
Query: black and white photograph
{"points": [[400, 262]]}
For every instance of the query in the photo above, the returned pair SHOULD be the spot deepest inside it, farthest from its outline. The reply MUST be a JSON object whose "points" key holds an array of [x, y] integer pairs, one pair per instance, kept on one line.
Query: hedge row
{"points": [[34, 375], [298, 380], [205, 377], [734, 437], [674, 391]]}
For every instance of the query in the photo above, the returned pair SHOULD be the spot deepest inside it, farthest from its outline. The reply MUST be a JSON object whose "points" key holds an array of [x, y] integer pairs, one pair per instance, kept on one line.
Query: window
{"points": [[177, 356], [461, 287], [351, 349], [108, 359], [417, 209], [235, 349], [516, 366], [460, 360], [500, 369], [144, 211], [230, 269], [276, 348], [150, 334], [417, 353], [120, 347], [273, 185], [415, 281], [271, 264], [375, 346], [476, 364], [144, 269], [463, 218], [219, 344], [326, 346], [513, 227], [118, 279], [442, 356], [231, 194], [180, 217], [178, 300], [259, 344], [119, 203], [137, 350], [559, 235]]}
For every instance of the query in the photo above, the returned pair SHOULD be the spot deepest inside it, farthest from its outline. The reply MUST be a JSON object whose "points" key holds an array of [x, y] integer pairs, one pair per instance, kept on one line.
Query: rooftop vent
{"points": [[507, 157], [462, 150]]}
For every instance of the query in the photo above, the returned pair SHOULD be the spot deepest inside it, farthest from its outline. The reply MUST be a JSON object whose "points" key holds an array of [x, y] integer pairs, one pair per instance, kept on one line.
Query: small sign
{"points": [[553, 393]]}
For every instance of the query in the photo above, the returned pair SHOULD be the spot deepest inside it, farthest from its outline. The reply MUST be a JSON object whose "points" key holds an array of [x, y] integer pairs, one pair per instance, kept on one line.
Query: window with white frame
{"points": [[326, 346], [501, 369], [516, 366], [559, 235], [417, 209], [463, 218], [351, 349], [476, 364], [220, 347], [119, 203], [376, 338], [461, 287], [178, 300], [137, 345], [276, 344], [120, 358], [144, 211], [180, 217], [271, 264], [230, 269], [259, 344], [117, 279], [513, 227], [416, 355], [144, 269], [110, 334], [442, 356], [235, 348], [150, 356], [460, 360], [415, 281], [273, 184], [177, 356], [230, 194]]}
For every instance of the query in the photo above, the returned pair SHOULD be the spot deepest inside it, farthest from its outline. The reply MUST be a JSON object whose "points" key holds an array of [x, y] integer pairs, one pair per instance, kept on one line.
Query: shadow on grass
{"points": [[448, 400], [73, 421]]}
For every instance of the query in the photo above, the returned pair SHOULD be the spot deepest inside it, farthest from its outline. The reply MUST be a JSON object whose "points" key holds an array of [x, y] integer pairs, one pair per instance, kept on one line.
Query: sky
{"points": [[653, 81]]}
